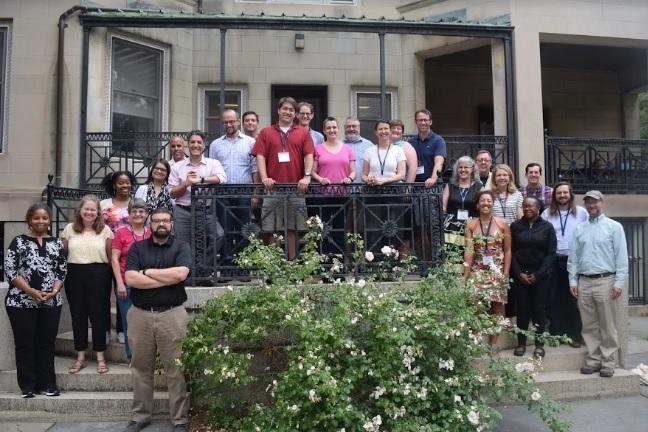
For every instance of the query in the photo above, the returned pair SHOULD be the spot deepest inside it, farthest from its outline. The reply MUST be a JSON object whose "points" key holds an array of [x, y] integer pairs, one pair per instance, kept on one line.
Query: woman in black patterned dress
{"points": [[155, 192], [35, 268]]}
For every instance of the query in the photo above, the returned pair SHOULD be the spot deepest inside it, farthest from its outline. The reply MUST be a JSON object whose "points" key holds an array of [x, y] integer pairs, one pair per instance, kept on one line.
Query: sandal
{"points": [[77, 366], [102, 368], [539, 352]]}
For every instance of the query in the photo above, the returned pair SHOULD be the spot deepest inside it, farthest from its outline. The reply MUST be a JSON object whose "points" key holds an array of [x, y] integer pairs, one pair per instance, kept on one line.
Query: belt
{"points": [[597, 276], [184, 207], [156, 308]]}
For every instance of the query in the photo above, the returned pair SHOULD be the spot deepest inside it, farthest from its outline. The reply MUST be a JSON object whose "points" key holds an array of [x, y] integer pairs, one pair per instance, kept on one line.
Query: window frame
{"points": [[356, 91], [5, 67], [164, 82], [202, 100]]}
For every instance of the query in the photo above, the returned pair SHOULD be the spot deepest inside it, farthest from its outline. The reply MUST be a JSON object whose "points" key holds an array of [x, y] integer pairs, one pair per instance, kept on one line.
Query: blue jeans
{"points": [[123, 306]]}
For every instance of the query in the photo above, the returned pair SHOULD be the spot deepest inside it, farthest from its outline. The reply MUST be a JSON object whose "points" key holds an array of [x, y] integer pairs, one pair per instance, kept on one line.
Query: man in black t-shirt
{"points": [[156, 270]]}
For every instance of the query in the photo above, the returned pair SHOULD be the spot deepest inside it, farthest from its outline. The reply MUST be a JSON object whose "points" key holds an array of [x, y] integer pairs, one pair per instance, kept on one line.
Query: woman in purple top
{"points": [[334, 164]]}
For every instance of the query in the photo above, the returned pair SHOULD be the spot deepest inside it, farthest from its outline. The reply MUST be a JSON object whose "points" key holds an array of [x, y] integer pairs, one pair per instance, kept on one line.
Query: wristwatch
{"points": [[307, 174], [202, 180]]}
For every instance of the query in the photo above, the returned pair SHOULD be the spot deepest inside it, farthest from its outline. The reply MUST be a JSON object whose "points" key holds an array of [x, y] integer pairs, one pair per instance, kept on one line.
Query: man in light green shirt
{"points": [[598, 268]]}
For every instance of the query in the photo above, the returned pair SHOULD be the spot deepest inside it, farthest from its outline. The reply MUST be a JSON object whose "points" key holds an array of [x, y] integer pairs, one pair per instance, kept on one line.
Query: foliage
{"points": [[354, 356], [643, 115]]}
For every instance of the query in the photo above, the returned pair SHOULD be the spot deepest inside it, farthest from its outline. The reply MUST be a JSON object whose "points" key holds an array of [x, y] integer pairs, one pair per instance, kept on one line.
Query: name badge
{"points": [[420, 169], [462, 215], [284, 157], [487, 260]]}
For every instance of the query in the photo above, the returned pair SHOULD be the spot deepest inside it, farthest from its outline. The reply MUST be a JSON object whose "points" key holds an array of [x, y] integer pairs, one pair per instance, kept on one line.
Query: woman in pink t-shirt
{"points": [[334, 164]]}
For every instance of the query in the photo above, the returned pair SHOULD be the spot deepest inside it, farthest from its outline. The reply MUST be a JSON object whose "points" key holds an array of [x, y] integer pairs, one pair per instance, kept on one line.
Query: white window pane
{"points": [[368, 110]]}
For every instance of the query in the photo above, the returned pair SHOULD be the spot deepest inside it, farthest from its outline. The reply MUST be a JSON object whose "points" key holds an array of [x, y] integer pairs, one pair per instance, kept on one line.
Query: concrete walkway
{"points": [[628, 414]]}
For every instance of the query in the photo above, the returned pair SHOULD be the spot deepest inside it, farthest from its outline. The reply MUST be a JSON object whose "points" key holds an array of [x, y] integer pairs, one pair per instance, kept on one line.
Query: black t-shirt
{"points": [[147, 254]]}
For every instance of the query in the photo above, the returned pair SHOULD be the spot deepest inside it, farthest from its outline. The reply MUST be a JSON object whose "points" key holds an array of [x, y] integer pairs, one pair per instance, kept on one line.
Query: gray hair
{"points": [[467, 160]]}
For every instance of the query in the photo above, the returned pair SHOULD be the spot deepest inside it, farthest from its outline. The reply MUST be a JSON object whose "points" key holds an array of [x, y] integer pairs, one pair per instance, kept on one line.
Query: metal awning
{"points": [[96, 17]]}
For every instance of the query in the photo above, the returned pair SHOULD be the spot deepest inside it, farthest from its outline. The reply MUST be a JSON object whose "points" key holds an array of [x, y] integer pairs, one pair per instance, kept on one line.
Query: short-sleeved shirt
{"points": [[426, 150], [297, 142], [115, 217], [207, 167], [124, 239], [234, 155], [334, 166], [86, 247], [507, 206], [383, 163], [317, 137], [150, 255]]}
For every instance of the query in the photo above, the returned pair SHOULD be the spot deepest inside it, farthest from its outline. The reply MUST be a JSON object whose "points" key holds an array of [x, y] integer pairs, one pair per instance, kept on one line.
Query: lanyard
{"points": [[383, 162], [284, 137], [563, 225], [132, 230], [463, 192], [502, 204], [481, 227]]}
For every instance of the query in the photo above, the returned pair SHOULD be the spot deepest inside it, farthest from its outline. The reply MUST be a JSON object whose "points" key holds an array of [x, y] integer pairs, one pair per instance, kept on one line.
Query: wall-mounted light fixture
{"points": [[300, 41]]}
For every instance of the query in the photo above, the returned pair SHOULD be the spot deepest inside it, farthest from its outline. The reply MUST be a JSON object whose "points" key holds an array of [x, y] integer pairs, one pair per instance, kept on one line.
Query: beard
{"points": [[161, 233]]}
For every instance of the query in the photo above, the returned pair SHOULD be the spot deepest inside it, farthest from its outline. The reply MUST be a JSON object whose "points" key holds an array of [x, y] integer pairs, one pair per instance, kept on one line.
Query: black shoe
{"points": [[134, 426], [539, 352], [52, 392], [606, 372], [27, 395], [519, 350], [180, 428], [588, 370]]}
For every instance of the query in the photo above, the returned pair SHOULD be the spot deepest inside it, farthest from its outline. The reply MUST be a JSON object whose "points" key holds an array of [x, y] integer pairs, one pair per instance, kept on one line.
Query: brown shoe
{"points": [[574, 343]]}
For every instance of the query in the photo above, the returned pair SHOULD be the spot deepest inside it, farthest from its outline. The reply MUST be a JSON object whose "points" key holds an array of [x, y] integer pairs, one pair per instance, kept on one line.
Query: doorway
{"points": [[316, 95]]}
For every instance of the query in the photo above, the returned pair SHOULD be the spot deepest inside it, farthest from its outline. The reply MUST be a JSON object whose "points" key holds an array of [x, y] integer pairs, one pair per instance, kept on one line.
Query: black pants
{"points": [[35, 331], [562, 307], [530, 301], [88, 290]]}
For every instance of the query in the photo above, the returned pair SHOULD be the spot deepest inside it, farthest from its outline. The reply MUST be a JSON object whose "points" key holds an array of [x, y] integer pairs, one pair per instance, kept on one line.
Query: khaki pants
{"points": [[598, 313], [148, 333]]}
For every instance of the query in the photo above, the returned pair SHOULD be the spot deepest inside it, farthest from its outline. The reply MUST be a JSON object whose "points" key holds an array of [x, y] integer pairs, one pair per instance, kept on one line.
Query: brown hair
{"points": [[553, 208], [397, 122], [98, 225], [287, 100]]}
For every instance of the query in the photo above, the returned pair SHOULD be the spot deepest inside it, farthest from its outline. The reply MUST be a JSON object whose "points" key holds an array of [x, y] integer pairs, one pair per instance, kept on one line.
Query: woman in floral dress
{"points": [[487, 258]]}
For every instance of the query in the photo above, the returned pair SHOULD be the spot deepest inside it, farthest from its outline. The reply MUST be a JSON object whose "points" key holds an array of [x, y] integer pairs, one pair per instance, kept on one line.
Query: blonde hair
{"points": [[511, 185], [97, 225]]}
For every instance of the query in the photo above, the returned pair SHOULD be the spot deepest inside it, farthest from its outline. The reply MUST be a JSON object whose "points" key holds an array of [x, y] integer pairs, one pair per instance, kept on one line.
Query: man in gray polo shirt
{"points": [[358, 144]]}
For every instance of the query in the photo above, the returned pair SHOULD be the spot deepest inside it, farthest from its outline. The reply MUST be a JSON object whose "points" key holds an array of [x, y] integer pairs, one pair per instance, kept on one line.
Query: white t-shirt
{"points": [[383, 163]]}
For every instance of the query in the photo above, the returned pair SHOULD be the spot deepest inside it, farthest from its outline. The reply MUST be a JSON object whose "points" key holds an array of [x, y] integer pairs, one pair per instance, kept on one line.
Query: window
{"points": [[321, 2], [210, 105], [137, 76], [4, 59], [367, 109], [212, 122]]}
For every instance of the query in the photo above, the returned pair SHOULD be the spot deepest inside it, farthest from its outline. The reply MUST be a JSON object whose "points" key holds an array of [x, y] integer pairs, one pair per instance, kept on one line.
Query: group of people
{"points": [[567, 264]]}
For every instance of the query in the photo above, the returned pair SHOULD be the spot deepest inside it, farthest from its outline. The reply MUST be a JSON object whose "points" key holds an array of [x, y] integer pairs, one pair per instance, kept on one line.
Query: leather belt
{"points": [[597, 276], [156, 308], [184, 207]]}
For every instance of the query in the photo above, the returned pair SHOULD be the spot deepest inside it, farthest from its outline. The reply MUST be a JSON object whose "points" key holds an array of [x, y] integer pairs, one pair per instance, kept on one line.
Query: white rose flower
{"points": [[369, 256], [473, 417], [386, 250], [362, 282], [536, 395]]}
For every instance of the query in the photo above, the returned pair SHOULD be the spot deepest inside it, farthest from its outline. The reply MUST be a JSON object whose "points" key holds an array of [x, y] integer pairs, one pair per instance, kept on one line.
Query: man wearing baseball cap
{"points": [[598, 268]]}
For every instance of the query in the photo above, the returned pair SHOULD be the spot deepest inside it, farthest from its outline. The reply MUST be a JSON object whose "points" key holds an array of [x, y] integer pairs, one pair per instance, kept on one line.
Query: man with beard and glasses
{"points": [[358, 144], [562, 309], [156, 270]]}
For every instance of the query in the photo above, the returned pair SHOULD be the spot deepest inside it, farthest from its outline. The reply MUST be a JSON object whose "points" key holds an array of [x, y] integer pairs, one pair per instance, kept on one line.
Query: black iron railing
{"points": [[407, 217], [611, 165], [63, 202], [106, 152]]}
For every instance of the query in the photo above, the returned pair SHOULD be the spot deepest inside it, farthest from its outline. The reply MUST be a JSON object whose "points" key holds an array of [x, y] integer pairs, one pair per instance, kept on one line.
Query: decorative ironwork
{"points": [[611, 165], [63, 202], [404, 216]]}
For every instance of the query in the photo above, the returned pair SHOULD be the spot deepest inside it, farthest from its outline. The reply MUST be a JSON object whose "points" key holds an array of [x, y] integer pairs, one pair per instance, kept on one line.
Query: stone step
{"points": [[118, 378], [64, 346], [561, 358], [90, 404], [572, 385]]}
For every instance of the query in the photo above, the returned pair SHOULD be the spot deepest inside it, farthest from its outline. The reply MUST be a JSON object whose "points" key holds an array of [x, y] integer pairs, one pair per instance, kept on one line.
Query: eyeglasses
{"points": [[305, 114], [161, 169], [229, 122], [161, 221], [139, 211], [483, 160]]}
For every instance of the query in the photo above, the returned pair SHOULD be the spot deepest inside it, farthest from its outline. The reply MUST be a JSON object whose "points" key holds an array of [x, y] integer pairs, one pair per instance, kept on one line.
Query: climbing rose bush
{"points": [[354, 356]]}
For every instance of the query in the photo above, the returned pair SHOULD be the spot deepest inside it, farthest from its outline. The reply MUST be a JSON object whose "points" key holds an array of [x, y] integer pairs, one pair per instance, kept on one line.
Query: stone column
{"points": [[528, 89], [7, 353], [499, 85], [631, 126]]}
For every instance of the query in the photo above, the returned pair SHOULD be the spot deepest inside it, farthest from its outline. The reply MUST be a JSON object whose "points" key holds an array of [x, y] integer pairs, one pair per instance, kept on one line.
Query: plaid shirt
{"points": [[543, 193], [234, 155]]}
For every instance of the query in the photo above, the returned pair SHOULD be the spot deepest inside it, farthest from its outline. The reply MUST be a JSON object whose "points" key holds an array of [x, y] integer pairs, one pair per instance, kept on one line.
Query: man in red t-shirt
{"points": [[284, 154]]}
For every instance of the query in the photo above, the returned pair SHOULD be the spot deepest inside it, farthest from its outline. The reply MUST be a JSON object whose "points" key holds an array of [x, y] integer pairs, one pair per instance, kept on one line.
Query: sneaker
{"points": [[27, 395], [134, 426], [121, 338], [606, 372], [588, 370], [180, 428], [52, 392]]}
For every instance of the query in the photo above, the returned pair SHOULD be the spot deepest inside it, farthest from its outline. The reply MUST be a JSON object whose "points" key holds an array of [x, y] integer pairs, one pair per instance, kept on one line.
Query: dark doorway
{"points": [[316, 95]]}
